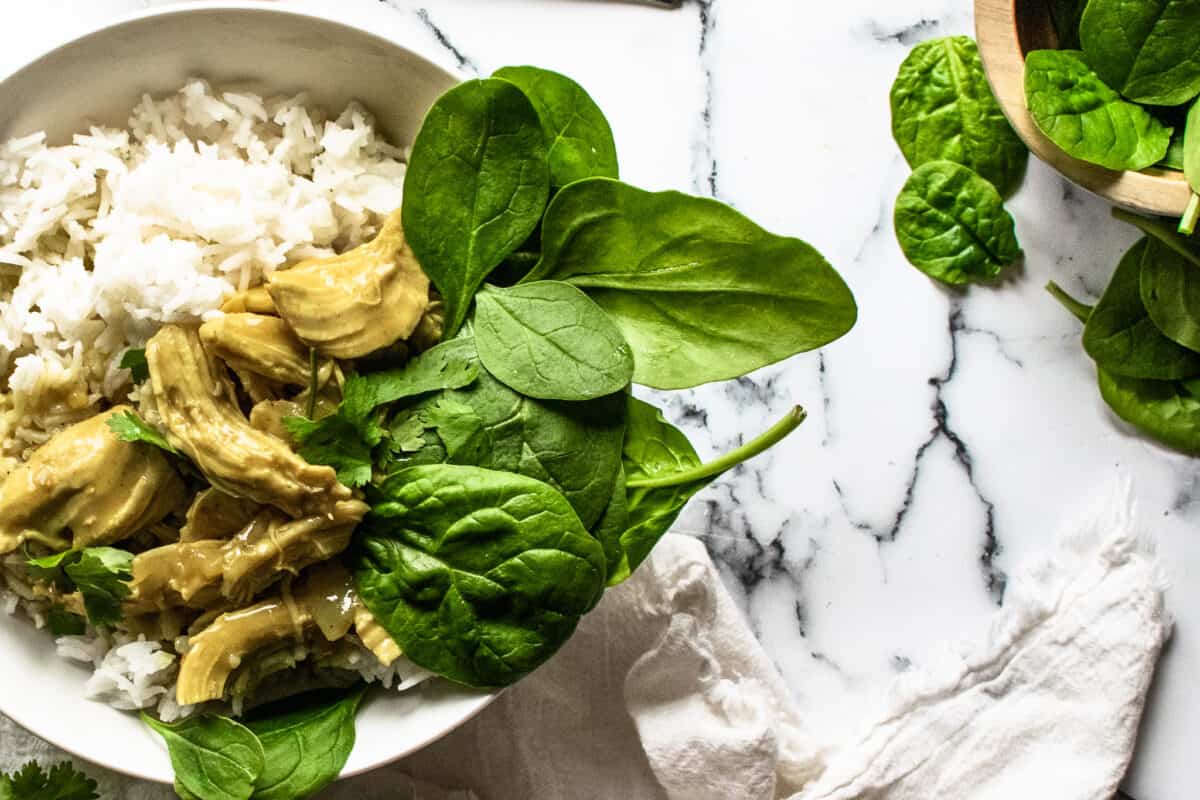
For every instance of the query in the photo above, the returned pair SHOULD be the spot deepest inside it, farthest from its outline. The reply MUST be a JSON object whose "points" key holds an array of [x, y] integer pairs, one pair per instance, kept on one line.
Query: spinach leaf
{"points": [[548, 340], [943, 109], [577, 133], [476, 186], [304, 748], [573, 446], [1066, 15], [135, 361], [1121, 337], [1148, 50], [1174, 157], [1170, 290], [214, 758], [662, 472], [129, 427], [952, 224], [479, 576], [100, 574], [346, 439], [608, 529], [1167, 411], [1191, 169], [1086, 118], [700, 292], [1081, 311]]}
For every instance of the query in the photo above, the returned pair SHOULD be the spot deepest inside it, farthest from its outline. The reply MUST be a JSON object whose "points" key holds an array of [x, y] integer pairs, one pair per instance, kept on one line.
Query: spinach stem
{"points": [[311, 410], [768, 439], [1159, 231], [1187, 225], [1081, 311]]}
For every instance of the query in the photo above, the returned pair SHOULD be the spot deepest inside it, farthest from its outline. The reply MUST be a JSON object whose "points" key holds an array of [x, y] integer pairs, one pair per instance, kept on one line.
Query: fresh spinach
{"points": [[1170, 290], [663, 472], [687, 281], [476, 186], [1121, 337], [943, 109], [101, 575], [346, 439], [134, 360], [214, 758], [1148, 50], [579, 138], [611, 525], [1066, 15], [1191, 169], [478, 575], [305, 745], [1168, 411], [952, 224], [548, 340], [1080, 310], [1081, 114], [573, 446]]}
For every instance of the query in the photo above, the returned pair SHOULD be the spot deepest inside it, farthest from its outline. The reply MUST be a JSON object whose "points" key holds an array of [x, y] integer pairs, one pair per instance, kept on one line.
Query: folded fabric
{"points": [[664, 692]]}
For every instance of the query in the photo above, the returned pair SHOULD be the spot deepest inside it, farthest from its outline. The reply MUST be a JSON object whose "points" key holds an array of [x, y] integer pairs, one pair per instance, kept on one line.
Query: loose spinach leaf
{"points": [[1174, 157], [700, 292], [1167, 411], [1169, 284], [346, 439], [478, 575], [1121, 337], [214, 758], [1086, 118], [952, 224], [573, 446], [60, 782], [1081, 311], [1066, 15], [304, 747], [64, 623], [577, 133], [943, 109], [662, 472], [548, 340], [129, 427], [476, 186], [135, 361], [1148, 50], [102, 574], [608, 529], [1191, 169]]}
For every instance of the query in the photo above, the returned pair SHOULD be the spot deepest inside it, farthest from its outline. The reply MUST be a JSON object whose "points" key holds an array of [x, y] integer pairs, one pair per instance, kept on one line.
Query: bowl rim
{"points": [[341, 17], [1156, 191]]}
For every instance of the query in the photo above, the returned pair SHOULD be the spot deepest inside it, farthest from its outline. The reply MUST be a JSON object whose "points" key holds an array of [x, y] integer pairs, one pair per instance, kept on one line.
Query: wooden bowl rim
{"points": [[1156, 190]]}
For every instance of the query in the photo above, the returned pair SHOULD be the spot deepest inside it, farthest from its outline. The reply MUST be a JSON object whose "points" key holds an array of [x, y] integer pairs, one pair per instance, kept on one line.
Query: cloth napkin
{"points": [[664, 693]]}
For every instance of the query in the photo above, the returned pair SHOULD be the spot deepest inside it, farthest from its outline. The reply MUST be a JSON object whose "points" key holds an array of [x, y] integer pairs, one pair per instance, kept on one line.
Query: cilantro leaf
{"points": [[50, 569], [62, 782], [64, 623], [101, 575], [135, 361], [346, 439], [335, 442], [129, 427]]}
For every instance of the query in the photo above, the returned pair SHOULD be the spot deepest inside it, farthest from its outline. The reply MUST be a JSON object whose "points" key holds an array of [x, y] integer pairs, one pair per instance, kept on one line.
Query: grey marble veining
{"points": [[948, 433]]}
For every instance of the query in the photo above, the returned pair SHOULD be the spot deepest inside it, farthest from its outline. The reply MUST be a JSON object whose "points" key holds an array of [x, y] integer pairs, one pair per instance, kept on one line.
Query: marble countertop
{"points": [[948, 433]]}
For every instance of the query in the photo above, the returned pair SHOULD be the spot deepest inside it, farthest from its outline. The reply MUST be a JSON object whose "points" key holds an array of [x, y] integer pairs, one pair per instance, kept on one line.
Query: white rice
{"points": [[105, 239]]}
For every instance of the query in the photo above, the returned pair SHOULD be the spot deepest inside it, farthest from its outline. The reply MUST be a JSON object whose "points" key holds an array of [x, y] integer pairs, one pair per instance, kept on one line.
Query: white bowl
{"points": [[99, 77]]}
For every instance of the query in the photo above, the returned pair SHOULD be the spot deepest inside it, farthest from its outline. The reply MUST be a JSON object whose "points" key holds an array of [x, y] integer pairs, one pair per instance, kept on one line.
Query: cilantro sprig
{"points": [[61, 782], [100, 574]]}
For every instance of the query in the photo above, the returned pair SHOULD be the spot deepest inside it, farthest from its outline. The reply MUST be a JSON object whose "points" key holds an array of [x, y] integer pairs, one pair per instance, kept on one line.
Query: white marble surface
{"points": [[948, 433]]}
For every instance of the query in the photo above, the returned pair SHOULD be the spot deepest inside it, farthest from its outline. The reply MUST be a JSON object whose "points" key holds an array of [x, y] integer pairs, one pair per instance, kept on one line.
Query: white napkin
{"points": [[664, 692]]}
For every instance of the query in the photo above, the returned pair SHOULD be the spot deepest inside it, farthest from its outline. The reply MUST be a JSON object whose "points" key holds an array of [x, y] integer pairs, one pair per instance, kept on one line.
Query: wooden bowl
{"points": [[1007, 30]]}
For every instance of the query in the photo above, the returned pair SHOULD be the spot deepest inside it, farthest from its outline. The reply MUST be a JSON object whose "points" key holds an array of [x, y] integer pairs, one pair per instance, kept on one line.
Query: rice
{"points": [[105, 239]]}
